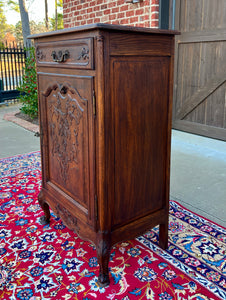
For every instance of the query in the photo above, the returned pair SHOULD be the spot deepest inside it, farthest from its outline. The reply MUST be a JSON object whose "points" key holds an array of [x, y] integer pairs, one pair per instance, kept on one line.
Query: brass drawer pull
{"points": [[62, 56]]}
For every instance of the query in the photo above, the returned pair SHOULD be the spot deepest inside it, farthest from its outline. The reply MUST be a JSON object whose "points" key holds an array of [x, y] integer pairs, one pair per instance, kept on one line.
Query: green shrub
{"points": [[28, 88]]}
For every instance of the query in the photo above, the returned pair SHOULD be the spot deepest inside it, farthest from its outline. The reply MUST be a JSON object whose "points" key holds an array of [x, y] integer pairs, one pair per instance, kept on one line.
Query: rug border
{"points": [[208, 220], [164, 254], [18, 155]]}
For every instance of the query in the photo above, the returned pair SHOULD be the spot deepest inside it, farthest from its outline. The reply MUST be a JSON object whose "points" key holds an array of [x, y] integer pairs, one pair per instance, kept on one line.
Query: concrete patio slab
{"points": [[198, 175], [15, 139]]}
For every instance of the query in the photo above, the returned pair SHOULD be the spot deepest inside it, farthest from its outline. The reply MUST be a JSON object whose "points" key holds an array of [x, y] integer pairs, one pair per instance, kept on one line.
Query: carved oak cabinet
{"points": [[105, 99]]}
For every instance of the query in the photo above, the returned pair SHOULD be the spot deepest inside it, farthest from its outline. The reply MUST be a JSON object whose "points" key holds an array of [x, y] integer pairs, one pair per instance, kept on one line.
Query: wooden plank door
{"points": [[200, 71]]}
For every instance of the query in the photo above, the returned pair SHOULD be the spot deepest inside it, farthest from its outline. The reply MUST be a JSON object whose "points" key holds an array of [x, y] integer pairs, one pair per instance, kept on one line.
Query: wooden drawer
{"points": [[70, 54]]}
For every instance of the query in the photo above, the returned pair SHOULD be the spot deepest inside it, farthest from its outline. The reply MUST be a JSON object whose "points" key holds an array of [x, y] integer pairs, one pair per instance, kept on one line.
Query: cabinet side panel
{"points": [[140, 103]]}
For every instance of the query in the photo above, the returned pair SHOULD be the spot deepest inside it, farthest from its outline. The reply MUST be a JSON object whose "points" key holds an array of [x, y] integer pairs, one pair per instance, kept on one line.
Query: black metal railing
{"points": [[12, 63]]}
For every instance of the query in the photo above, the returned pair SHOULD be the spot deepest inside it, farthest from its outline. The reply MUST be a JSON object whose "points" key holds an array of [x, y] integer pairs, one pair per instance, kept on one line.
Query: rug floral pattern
{"points": [[51, 262]]}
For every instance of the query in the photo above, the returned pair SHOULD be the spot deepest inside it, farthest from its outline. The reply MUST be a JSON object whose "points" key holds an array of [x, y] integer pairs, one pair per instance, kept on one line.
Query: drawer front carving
{"points": [[70, 54]]}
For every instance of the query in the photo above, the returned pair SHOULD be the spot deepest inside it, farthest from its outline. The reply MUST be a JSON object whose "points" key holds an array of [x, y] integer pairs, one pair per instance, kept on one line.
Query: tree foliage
{"points": [[20, 7], [13, 5], [34, 27], [7, 32], [28, 89], [3, 24], [60, 22]]}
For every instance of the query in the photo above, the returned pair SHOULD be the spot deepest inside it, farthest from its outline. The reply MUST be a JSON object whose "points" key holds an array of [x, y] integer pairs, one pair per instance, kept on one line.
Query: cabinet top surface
{"points": [[108, 27]]}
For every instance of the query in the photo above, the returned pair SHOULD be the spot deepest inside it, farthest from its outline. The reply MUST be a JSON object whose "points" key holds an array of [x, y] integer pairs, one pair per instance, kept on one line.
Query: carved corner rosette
{"points": [[100, 38], [39, 54], [84, 55]]}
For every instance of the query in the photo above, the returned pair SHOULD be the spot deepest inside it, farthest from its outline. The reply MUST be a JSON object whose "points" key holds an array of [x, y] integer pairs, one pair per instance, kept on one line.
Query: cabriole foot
{"points": [[103, 280], [46, 218], [103, 255], [43, 220]]}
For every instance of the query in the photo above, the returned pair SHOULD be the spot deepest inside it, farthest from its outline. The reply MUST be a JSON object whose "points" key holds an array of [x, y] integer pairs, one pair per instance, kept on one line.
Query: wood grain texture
{"points": [[105, 139], [80, 54], [205, 130], [127, 45], [202, 36], [140, 106], [199, 93]]}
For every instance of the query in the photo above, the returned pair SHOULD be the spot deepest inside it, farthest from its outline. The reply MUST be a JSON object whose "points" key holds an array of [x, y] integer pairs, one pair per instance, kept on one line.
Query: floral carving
{"points": [[66, 109], [84, 54], [39, 54]]}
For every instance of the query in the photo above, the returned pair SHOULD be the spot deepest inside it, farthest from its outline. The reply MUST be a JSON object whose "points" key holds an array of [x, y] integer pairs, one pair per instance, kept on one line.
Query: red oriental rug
{"points": [[51, 262]]}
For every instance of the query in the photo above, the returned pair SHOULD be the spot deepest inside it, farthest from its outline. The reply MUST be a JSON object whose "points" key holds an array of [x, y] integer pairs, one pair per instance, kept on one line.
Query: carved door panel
{"points": [[68, 146]]}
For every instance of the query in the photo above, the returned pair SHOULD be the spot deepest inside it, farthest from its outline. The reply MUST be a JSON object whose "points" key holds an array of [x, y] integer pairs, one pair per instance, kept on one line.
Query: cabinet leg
{"points": [[163, 235], [45, 207], [103, 255]]}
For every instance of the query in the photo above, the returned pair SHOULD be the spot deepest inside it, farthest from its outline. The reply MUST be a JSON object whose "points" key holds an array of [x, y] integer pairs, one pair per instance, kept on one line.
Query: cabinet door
{"points": [[68, 140]]}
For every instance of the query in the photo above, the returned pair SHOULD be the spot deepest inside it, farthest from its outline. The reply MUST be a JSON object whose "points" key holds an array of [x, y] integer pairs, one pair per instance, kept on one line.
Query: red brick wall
{"points": [[82, 12]]}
